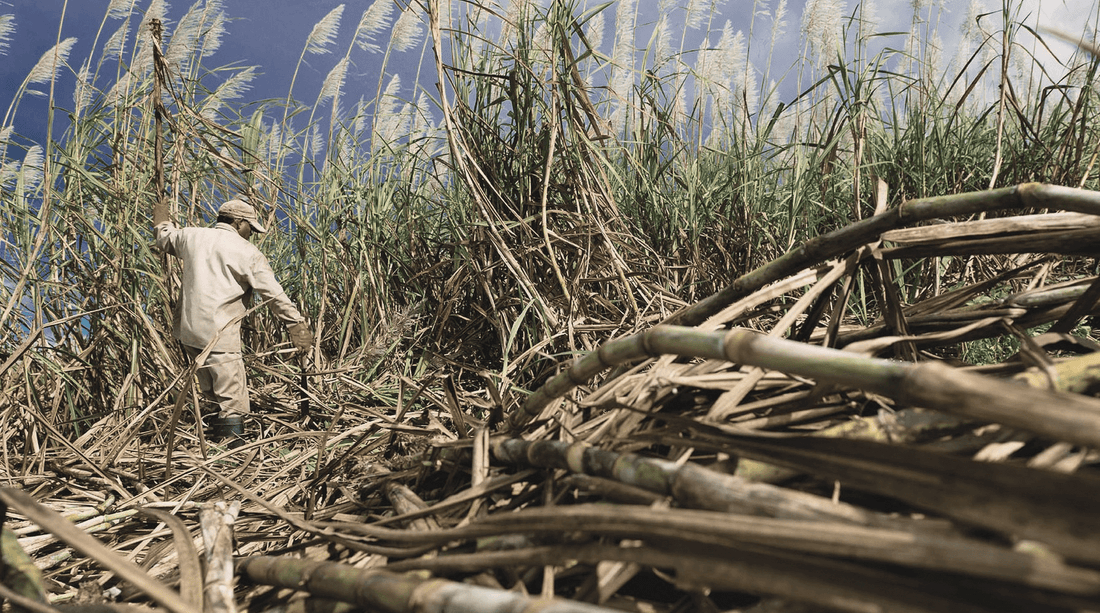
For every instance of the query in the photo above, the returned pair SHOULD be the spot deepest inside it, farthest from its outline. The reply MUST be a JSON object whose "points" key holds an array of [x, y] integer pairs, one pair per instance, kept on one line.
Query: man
{"points": [[221, 269]]}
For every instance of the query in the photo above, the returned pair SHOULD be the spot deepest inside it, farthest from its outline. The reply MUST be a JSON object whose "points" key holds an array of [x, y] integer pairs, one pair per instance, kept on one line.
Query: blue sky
{"points": [[272, 33], [266, 33]]}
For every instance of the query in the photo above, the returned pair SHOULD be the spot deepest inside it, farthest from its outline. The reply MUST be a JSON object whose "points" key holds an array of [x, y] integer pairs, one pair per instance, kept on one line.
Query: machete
{"points": [[303, 386]]}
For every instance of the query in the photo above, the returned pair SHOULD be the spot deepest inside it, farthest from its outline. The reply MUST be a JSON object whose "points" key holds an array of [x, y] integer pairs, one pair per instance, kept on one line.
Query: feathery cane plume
{"points": [[868, 20], [343, 145], [731, 54], [361, 117], [212, 22], [275, 145], [315, 142], [748, 96], [185, 38], [542, 46], [46, 69], [696, 13], [663, 52], [625, 16], [934, 53], [32, 167], [972, 36], [7, 169], [374, 20], [120, 91], [112, 49], [594, 31], [118, 9], [622, 56], [407, 31], [324, 32], [212, 39], [821, 23], [699, 11], [334, 82], [9, 173], [143, 59], [779, 23], [233, 88], [7, 28], [388, 118], [421, 123], [446, 14], [515, 16]]}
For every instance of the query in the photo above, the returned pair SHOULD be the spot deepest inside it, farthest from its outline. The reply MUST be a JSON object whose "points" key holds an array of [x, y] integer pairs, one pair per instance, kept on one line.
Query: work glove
{"points": [[161, 212], [301, 336]]}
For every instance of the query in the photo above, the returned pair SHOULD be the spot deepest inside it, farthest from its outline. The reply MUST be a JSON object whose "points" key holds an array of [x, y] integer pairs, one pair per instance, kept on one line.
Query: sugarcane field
{"points": [[564, 306]]}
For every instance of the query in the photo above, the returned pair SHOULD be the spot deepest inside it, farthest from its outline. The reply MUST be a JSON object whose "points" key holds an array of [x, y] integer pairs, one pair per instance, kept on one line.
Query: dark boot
{"points": [[227, 429]]}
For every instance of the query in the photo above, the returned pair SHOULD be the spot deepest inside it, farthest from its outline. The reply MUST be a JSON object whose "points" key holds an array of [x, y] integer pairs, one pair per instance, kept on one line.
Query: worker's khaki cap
{"points": [[239, 209]]}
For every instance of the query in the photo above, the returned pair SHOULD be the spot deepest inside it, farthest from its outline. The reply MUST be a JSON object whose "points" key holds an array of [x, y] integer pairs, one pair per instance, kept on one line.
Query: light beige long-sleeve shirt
{"points": [[220, 271]]}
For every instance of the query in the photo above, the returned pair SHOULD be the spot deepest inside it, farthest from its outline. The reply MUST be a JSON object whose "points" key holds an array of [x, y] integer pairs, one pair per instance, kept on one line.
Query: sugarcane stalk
{"points": [[404, 500], [822, 583], [951, 553], [1053, 508], [1078, 375], [1020, 224], [217, 519], [1066, 242], [1054, 414], [95, 524], [689, 484], [388, 592]]}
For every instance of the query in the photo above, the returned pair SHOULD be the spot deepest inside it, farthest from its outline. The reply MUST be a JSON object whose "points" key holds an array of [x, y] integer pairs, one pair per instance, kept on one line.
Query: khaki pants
{"points": [[222, 381]]}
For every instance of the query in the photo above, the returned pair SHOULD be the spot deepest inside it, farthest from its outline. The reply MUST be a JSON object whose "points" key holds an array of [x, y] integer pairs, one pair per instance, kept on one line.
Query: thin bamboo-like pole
{"points": [[156, 29], [1058, 415]]}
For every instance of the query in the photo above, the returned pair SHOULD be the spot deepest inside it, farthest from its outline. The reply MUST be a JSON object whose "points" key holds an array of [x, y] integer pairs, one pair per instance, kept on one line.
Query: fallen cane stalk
{"points": [[393, 593], [1058, 415], [692, 485], [908, 547], [217, 519], [96, 524]]}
